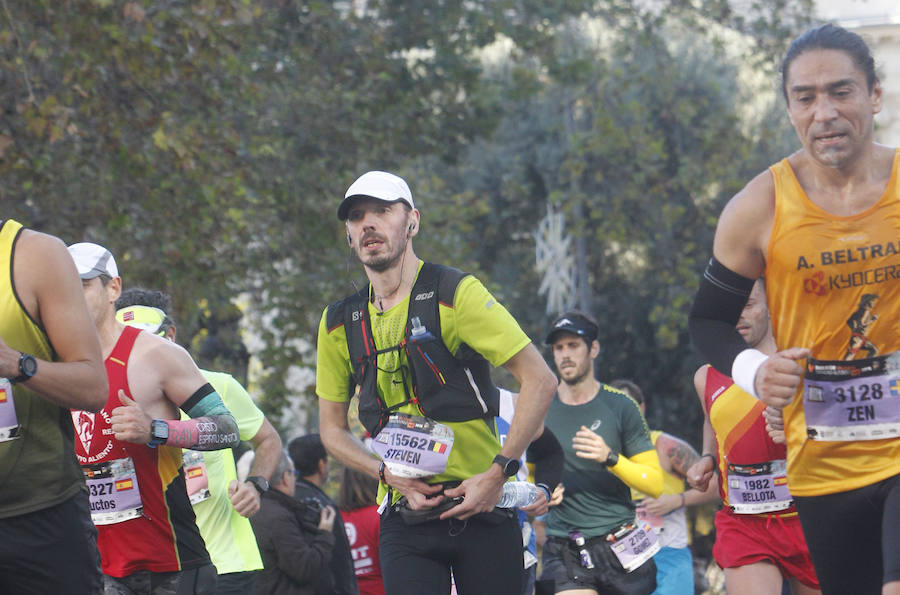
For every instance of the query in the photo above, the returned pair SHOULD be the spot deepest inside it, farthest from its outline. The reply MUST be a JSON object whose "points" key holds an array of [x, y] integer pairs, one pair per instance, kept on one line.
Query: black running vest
{"points": [[446, 388]]}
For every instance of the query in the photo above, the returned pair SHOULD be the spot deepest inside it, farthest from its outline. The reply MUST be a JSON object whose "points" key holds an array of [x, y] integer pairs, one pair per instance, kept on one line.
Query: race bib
{"points": [[852, 400], [414, 446], [195, 476], [633, 545], [9, 423], [113, 491], [753, 489]]}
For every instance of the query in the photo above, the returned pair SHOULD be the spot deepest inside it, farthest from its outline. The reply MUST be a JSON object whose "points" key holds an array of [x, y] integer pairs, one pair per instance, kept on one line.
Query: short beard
{"points": [[577, 379], [381, 264]]}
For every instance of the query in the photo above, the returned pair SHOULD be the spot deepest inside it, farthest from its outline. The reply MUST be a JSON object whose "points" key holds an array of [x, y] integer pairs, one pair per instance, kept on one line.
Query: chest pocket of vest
{"points": [[449, 388], [444, 387]]}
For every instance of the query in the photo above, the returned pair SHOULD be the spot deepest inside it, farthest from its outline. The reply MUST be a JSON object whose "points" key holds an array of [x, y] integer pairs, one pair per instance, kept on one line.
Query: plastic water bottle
{"points": [[583, 553], [518, 494], [418, 333]]}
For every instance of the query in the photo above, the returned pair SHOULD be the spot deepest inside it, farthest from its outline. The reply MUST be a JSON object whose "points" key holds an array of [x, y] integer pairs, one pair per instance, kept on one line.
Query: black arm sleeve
{"points": [[548, 457], [717, 308]]}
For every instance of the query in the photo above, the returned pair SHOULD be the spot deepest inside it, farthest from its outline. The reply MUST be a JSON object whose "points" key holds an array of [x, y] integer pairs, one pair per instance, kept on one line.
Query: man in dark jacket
{"points": [[311, 462], [295, 538]]}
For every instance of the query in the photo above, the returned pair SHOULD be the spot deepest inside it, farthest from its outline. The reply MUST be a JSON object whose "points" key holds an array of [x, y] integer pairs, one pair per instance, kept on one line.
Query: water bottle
{"points": [[583, 554], [418, 332], [517, 494]]}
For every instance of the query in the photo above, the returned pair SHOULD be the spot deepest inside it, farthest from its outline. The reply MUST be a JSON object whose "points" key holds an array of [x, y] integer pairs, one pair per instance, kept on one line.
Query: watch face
{"points": [[28, 365], [160, 429], [511, 467]]}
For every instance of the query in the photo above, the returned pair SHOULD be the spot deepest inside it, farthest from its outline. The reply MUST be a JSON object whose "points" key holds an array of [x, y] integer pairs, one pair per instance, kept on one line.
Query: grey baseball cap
{"points": [[93, 260]]}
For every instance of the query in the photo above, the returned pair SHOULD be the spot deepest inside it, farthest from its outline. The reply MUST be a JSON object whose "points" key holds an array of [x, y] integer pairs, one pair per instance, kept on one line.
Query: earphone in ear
{"points": [[349, 241], [410, 228]]}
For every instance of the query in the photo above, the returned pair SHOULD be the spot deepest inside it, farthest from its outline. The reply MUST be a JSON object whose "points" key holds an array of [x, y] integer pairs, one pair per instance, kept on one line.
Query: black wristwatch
{"points": [[159, 433], [612, 458], [27, 368], [510, 466], [260, 483]]}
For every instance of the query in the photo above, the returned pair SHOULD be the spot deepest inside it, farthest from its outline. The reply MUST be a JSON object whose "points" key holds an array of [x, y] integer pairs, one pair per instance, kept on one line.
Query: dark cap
{"points": [[575, 323]]}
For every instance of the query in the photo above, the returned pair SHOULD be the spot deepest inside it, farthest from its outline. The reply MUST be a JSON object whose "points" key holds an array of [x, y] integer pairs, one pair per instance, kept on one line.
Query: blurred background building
{"points": [[878, 21]]}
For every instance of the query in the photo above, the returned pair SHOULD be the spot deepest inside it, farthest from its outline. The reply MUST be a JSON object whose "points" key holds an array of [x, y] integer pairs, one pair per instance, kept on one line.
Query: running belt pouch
{"points": [[417, 517], [497, 516], [572, 560]]}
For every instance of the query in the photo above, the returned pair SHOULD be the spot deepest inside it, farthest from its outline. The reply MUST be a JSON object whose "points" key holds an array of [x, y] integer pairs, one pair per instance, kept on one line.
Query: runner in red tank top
{"points": [[759, 541], [130, 451]]}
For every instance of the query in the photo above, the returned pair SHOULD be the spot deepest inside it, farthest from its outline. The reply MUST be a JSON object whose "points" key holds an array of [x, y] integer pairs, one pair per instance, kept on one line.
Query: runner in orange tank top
{"points": [[822, 225]]}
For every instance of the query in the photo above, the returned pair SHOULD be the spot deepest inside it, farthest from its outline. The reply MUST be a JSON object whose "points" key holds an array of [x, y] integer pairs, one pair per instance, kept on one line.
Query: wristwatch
{"points": [[612, 458], [159, 433], [510, 466], [27, 368], [260, 483]]}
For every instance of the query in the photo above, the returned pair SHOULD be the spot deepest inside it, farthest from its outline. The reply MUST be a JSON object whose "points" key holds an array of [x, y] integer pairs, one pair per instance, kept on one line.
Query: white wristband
{"points": [[743, 370]]}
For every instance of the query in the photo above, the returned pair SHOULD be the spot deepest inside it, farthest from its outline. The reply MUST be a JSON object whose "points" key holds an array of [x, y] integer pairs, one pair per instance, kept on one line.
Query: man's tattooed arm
{"points": [[679, 453]]}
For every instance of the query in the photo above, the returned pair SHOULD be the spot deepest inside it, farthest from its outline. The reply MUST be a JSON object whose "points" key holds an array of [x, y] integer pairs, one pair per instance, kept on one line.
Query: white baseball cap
{"points": [[93, 260], [376, 184]]}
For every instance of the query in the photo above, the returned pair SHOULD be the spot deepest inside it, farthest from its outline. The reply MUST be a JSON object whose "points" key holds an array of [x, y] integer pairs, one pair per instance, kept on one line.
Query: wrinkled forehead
{"points": [[819, 67]]}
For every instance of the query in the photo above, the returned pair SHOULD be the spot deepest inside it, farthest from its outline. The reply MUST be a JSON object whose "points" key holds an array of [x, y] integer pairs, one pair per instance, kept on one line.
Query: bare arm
{"points": [[701, 472], [347, 448], [159, 365], [48, 285], [267, 446], [677, 457], [340, 442], [267, 450], [537, 384], [744, 227]]}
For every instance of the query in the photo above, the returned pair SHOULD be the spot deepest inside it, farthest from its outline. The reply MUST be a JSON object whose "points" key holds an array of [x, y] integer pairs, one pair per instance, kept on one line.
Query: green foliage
{"points": [[207, 144], [640, 139]]}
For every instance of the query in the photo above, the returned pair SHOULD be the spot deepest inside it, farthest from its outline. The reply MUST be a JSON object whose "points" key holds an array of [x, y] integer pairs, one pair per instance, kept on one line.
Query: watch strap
{"points": [[258, 482]]}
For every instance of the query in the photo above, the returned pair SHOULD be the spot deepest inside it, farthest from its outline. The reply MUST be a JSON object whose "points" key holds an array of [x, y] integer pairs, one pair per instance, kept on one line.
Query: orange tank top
{"points": [[833, 286]]}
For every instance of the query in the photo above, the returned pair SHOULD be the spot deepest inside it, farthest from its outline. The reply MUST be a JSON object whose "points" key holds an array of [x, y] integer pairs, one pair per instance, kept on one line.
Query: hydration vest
{"points": [[444, 387]]}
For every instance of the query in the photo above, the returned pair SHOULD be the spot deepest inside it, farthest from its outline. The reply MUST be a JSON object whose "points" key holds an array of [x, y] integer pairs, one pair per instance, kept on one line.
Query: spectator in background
{"points": [[674, 564], [311, 461], [295, 538], [361, 522]]}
